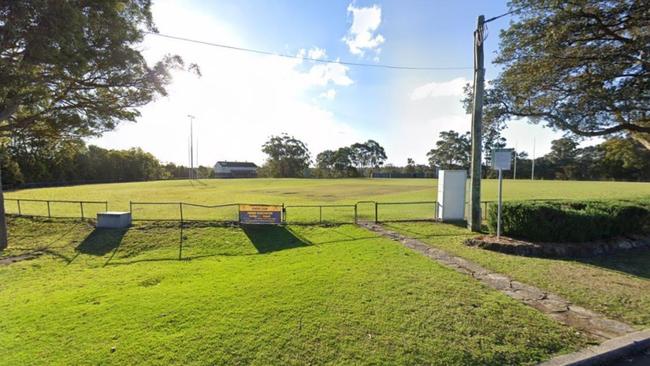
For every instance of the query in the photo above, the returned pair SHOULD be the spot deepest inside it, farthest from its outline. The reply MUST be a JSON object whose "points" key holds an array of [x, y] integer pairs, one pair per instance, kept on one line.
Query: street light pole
{"points": [[191, 146]]}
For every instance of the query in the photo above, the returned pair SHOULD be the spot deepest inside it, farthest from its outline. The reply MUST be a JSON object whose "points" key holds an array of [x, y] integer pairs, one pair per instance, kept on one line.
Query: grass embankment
{"points": [[300, 295], [615, 285], [301, 191]]}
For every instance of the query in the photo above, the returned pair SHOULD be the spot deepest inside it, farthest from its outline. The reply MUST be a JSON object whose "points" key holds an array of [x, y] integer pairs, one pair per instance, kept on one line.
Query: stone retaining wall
{"points": [[559, 250]]}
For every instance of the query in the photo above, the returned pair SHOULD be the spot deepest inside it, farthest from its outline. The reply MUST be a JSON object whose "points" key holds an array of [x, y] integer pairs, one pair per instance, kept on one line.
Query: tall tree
{"points": [[624, 158], [343, 162], [579, 66], [563, 155], [74, 68], [376, 155], [410, 166], [360, 155], [452, 151], [287, 156]]}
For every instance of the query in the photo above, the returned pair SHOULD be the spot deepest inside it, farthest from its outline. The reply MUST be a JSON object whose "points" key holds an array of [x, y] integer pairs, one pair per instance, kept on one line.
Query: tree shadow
{"points": [[272, 238], [101, 241], [635, 262]]}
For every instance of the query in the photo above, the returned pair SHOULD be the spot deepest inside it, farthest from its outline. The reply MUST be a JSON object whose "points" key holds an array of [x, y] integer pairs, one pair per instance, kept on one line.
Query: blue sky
{"points": [[243, 98]]}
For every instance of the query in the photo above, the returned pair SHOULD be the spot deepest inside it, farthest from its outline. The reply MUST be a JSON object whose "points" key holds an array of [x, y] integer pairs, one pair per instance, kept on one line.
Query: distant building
{"points": [[235, 169]]}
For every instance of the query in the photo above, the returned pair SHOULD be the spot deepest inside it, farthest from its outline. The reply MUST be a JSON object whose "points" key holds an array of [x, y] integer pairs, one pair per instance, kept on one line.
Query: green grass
{"points": [[300, 191], [300, 295], [616, 285]]}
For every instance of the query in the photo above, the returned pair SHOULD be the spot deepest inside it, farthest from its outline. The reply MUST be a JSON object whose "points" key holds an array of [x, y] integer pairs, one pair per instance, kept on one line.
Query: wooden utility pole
{"points": [[474, 222]]}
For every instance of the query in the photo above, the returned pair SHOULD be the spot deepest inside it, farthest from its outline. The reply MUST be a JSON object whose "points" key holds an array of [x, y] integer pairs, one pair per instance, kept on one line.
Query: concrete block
{"points": [[113, 219]]}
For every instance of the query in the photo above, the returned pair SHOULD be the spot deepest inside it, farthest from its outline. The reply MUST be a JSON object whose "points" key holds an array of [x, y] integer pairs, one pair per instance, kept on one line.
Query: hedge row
{"points": [[571, 221]]}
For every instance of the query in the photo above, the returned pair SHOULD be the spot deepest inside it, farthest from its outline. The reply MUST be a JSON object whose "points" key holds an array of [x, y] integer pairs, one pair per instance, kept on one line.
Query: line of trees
{"points": [[289, 157], [47, 161], [618, 158], [33, 161], [356, 160]]}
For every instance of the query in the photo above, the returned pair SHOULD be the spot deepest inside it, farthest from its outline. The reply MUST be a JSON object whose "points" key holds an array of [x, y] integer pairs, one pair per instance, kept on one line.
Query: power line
{"points": [[503, 15], [348, 63]]}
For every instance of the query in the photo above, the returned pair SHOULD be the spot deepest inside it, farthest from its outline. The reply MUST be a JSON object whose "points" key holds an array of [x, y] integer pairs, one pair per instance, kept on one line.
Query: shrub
{"points": [[571, 221]]}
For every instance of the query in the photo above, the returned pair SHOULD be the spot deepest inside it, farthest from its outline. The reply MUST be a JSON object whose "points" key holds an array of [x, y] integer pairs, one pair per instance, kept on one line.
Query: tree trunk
{"points": [[3, 222]]}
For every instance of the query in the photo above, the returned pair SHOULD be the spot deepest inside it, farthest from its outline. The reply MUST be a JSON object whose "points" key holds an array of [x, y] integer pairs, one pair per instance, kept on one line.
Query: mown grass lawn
{"points": [[616, 285], [300, 191], [294, 295]]}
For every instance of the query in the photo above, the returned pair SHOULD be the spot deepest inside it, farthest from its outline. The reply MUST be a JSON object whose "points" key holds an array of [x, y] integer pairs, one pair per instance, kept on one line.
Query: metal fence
{"points": [[292, 214], [183, 211], [320, 214], [54, 208]]}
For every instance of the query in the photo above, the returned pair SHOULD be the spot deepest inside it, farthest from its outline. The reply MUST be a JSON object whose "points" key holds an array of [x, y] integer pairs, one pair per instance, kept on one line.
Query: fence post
{"points": [[180, 205], [49, 214], [435, 211], [131, 208], [355, 213], [81, 206], [19, 213], [106, 205], [376, 212], [320, 214]]}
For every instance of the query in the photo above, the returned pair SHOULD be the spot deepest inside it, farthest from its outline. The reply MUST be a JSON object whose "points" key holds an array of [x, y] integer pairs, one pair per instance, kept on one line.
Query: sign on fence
{"points": [[260, 214]]}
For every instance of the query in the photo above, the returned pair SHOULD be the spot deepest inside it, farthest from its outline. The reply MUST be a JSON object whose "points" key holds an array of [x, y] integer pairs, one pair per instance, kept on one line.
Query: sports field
{"points": [[159, 293], [299, 192]]}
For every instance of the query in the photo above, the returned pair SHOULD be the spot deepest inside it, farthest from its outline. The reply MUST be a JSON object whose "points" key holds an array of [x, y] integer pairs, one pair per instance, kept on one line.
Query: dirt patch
{"points": [[18, 258], [558, 250]]}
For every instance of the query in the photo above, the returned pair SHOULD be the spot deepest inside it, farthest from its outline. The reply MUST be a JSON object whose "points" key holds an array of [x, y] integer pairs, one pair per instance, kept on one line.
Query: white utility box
{"points": [[113, 220], [451, 195]]}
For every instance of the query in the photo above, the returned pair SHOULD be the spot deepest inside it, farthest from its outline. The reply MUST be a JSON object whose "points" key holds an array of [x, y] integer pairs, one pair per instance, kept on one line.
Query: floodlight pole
{"points": [[532, 171], [474, 219], [191, 146]]}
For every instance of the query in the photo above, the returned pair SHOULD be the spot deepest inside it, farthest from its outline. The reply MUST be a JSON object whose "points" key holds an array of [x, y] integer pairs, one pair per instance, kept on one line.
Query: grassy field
{"points": [[299, 191], [156, 294], [261, 295], [615, 285]]}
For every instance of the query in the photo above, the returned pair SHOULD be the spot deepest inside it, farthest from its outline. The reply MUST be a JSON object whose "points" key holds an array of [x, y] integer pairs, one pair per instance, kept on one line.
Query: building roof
{"points": [[236, 164]]}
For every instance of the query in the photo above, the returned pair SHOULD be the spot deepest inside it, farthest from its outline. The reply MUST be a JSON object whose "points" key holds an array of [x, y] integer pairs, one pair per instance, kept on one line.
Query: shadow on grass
{"points": [[414, 234], [272, 238], [101, 241], [634, 262]]}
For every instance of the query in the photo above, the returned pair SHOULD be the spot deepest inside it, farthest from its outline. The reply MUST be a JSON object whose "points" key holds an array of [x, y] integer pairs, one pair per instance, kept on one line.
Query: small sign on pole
{"points": [[501, 160]]}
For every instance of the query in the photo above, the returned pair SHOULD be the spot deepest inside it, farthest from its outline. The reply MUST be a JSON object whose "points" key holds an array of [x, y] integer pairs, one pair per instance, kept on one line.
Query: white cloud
{"points": [[426, 110], [434, 89], [240, 100], [317, 53], [314, 53], [361, 35], [330, 94], [323, 74]]}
